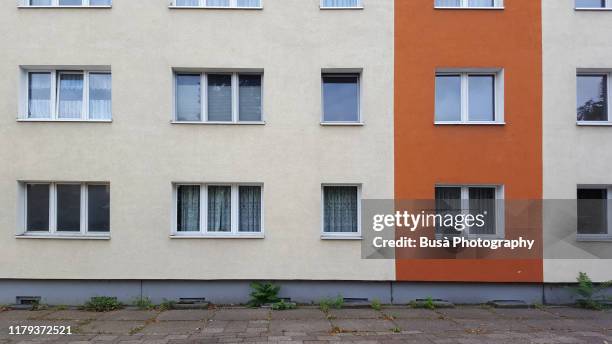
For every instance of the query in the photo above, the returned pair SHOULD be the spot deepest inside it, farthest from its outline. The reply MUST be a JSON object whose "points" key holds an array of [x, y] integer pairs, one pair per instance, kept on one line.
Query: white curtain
{"points": [[219, 208], [249, 98], [481, 3], [340, 209], [249, 3], [70, 95], [100, 96], [187, 3], [219, 97], [39, 95], [249, 209], [218, 3], [341, 3], [188, 218]]}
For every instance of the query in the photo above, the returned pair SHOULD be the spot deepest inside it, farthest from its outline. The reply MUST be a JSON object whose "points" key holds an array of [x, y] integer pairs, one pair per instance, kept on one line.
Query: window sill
{"points": [[48, 120], [342, 124], [467, 8], [594, 238], [341, 237], [593, 124], [63, 236], [469, 123], [218, 236], [212, 8], [70, 7], [219, 123], [592, 9], [342, 8]]}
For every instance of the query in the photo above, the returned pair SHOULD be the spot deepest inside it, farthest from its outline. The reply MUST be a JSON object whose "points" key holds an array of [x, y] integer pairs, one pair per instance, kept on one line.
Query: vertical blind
{"points": [[39, 95], [99, 96], [70, 96], [219, 97], [341, 3]]}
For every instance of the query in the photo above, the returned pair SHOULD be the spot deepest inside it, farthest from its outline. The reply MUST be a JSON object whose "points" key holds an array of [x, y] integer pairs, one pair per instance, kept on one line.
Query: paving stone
{"points": [[298, 314], [355, 313], [173, 327], [241, 314], [522, 314], [427, 326], [73, 315], [185, 315], [478, 326], [575, 313], [364, 325], [23, 315], [129, 315], [411, 313], [466, 313], [111, 327], [309, 326]]}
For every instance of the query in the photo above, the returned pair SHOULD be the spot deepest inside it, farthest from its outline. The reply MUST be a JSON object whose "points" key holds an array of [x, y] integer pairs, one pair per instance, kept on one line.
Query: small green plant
{"points": [[336, 303], [396, 330], [282, 305], [428, 303], [586, 292], [144, 303], [102, 304], [376, 305], [166, 305], [263, 293]]}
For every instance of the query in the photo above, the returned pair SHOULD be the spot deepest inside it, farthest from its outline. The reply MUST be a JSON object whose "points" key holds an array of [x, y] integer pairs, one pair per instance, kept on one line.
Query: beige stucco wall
{"points": [[140, 153], [572, 154]]}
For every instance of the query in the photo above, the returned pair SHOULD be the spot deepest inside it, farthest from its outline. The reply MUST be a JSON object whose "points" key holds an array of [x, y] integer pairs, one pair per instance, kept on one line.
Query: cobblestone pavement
{"points": [[463, 325]]}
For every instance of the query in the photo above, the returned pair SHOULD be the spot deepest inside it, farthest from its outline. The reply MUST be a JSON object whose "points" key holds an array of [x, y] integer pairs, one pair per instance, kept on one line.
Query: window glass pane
{"points": [[188, 97], [590, 3], [188, 208], [187, 3], [218, 3], [68, 208], [448, 3], [99, 2], [98, 208], [249, 3], [341, 98], [448, 202], [70, 95], [70, 2], [481, 3], [340, 209], [219, 98], [482, 202], [448, 98], [249, 209], [39, 95], [99, 96], [40, 2], [592, 98], [341, 3], [481, 98], [249, 97], [592, 211], [37, 207], [219, 208]]}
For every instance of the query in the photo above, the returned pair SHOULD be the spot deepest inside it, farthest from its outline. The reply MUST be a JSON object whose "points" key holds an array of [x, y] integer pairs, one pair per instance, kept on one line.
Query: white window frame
{"points": [[594, 72], [54, 96], [465, 209], [498, 74], [358, 7], [204, 98], [343, 73], [498, 5], [235, 213], [607, 7], [233, 4], [55, 3], [597, 237], [340, 235], [53, 231]]}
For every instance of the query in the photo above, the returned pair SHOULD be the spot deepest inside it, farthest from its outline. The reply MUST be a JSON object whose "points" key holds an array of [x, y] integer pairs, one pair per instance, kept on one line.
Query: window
{"points": [[218, 210], [486, 201], [593, 212], [592, 94], [468, 3], [341, 4], [341, 98], [67, 3], [67, 208], [67, 96], [469, 98], [218, 3], [341, 211], [593, 4], [218, 97]]}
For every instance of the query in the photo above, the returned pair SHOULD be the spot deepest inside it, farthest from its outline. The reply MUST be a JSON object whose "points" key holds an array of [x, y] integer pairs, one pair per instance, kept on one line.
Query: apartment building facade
{"points": [[184, 148]]}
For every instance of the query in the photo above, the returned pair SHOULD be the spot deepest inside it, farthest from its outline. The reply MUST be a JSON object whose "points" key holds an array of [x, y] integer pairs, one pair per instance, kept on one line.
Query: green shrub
{"points": [[144, 303], [263, 293], [586, 292], [376, 305], [103, 304], [282, 305], [166, 305], [336, 303], [428, 303]]}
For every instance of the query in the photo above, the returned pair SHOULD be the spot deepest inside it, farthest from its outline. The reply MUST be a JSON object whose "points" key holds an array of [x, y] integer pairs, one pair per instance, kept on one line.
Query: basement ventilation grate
{"points": [[192, 300], [27, 300]]}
